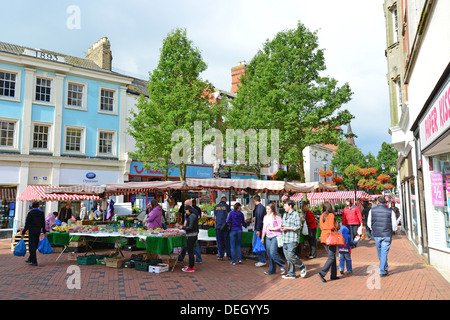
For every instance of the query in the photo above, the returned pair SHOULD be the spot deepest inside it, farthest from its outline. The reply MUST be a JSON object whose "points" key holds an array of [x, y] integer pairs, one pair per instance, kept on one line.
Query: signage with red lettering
{"points": [[437, 119]]}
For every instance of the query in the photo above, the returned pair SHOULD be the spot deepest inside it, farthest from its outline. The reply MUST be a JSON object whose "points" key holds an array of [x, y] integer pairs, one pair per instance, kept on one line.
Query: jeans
{"points": [[261, 256], [273, 255], [353, 230], [345, 259], [223, 239], [383, 244], [330, 263], [197, 252], [190, 249], [291, 258], [235, 244], [312, 242], [33, 242], [368, 233]]}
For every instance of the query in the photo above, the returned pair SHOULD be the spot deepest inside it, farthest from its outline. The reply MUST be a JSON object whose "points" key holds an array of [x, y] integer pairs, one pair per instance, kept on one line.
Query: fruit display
{"points": [[206, 221], [114, 230]]}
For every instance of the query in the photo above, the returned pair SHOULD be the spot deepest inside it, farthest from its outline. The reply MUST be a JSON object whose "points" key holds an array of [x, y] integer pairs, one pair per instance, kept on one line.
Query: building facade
{"points": [[420, 131], [61, 117]]}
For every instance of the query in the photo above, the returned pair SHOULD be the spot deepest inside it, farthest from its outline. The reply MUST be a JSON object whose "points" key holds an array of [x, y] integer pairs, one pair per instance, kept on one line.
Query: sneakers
{"points": [[282, 271], [286, 276], [303, 272], [260, 264], [187, 269]]}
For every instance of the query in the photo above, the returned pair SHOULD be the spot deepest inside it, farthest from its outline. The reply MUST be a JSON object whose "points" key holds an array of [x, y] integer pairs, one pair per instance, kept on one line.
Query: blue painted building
{"points": [[61, 117]]}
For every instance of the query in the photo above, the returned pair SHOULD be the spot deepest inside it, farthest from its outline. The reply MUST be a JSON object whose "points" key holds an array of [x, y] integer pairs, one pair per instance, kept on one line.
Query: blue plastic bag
{"points": [[20, 249], [44, 246], [258, 247]]}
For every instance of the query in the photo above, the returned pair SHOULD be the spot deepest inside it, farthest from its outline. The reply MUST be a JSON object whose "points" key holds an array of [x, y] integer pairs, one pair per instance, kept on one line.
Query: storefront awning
{"points": [[37, 193], [8, 194]]}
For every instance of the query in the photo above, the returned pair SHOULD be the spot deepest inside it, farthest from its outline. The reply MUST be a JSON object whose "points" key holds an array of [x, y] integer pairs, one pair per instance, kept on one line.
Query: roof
{"points": [[71, 60], [138, 86]]}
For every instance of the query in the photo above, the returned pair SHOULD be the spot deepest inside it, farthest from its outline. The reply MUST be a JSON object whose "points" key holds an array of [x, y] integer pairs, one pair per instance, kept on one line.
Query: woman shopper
{"points": [[237, 220], [312, 228], [328, 225], [154, 217], [272, 229], [352, 218], [191, 227]]}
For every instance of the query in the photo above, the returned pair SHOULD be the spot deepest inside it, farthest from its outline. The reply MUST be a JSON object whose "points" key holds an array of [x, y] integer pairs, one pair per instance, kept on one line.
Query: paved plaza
{"points": [[411, 278]]}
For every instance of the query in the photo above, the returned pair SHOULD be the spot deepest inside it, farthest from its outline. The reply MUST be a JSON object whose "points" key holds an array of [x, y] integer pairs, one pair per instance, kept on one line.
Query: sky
{"points": [[352, 33]]}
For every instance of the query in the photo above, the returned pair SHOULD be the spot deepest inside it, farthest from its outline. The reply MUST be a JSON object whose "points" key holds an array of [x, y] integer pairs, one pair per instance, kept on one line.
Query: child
{"points": [[345, 257]]}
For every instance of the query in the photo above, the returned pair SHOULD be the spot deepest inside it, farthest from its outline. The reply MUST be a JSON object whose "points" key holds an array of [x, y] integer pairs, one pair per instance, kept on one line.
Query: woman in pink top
{"points": [[154, 217], [270, 231]]}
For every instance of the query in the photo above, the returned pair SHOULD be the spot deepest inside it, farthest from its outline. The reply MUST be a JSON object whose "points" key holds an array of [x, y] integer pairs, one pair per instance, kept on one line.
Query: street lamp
{"points": [[382, 167], [367, 161], [325, 161]]}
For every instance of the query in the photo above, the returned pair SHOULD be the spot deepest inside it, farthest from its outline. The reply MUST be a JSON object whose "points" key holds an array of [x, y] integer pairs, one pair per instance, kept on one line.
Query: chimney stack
{"points": [[236, 74], [100, 53]]}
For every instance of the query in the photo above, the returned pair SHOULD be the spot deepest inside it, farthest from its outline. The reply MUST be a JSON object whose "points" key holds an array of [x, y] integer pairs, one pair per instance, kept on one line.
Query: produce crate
{"points": [[143, 265], [85, 223], [77, 244], [169, 262], [160, 267], [87, 260], [114, 262]]}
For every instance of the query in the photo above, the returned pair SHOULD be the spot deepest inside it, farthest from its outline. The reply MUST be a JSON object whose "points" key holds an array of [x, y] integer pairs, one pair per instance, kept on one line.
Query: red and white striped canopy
{"points": [[8, 194], [37, 193], [333, 197]]}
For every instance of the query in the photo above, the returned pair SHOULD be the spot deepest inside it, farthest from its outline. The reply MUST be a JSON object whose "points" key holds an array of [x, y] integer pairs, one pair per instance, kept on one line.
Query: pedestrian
{"points": [[191, 228], [345, 252], [397, 213], [35, 225], [65, 213], [351, 217], [382, 222], [154, 218], [221, 211], [50, 221], [272, 229], [197, 251], [365, 214], [237, 221], [312, 228], [290, 226], [258, 216], [99, 213], [328, 225], [83, 212]]}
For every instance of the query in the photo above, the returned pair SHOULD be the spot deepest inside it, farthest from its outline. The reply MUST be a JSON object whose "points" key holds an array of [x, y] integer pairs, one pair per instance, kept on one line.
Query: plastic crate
{"points": [[87, 260], [143, 265], [160, 267]]}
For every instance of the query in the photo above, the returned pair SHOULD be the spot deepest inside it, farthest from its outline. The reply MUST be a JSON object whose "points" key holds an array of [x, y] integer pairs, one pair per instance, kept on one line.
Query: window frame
{"points": [[18, 81], [49, 125], [15, 146], [83, 98], [113, 143], [82, 140], [47, 78], [115, 103]]}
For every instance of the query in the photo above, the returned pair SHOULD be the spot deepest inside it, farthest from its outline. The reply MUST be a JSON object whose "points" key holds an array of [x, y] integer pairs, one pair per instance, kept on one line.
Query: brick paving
{"points": [[411, 278]]}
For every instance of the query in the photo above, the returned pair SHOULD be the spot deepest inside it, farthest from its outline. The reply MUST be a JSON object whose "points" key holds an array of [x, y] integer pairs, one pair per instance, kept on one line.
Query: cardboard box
{"points": [[114, 262], [159, 268], [85, 222]]}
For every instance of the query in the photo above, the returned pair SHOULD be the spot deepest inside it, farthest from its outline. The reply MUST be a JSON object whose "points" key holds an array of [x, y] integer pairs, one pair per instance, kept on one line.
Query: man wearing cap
{"points": [[382, 221]]}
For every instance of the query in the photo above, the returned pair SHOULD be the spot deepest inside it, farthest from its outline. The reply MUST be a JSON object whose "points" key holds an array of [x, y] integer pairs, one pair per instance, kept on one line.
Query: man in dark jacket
{"points": [[221, 211], [35, 225], [258, 215], [382, 222]]}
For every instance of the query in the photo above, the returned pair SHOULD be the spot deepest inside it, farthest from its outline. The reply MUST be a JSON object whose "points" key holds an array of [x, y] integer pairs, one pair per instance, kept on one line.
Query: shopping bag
{"points": [[359, 233], [20, 249], [335, 239], [280, 241], [44, 246], [258, 247], [305, 230]]}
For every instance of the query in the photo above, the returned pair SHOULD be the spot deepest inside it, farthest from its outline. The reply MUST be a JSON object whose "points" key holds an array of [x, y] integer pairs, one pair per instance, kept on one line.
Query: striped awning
{"points": [[37, 193], [8, 194], [334, 197]]}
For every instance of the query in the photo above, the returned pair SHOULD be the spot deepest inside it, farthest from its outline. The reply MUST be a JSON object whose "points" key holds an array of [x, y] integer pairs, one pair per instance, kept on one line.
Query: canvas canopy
{"points": [[39, 193]]}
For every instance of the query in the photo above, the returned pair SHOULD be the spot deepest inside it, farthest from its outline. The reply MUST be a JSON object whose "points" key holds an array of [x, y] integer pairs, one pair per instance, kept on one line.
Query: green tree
{"points": [[178, 97], [284, 88], [345, 155], [388, 156]]}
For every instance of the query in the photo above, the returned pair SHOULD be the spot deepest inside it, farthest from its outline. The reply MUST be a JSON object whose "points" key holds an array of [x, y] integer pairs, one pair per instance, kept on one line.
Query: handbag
{"points": [[258, 247], [44, 246], [335, 239], [280, 241], [226, 227], [20, 249]]}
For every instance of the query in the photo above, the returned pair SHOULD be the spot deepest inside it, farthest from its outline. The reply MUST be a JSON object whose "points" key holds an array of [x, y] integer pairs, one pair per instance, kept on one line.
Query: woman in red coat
{"points": [[352, 218], [312, 227]]}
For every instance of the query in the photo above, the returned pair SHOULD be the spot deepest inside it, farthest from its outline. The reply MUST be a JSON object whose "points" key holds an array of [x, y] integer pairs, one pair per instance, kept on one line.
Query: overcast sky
{"points": [[352, 32]]}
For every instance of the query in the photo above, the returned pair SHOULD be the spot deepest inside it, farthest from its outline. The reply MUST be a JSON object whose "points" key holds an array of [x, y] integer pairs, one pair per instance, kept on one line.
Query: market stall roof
{"points": [[341, 196], [269, 186], [38, 193]]}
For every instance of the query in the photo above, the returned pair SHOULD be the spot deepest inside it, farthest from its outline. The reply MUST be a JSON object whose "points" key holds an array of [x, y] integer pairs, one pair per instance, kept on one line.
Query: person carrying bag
{"points": [[330, 238]]}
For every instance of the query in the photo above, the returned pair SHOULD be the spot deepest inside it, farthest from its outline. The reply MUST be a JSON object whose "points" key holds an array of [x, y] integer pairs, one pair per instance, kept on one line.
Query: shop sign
{"points": [[192, 171], [437, 191], [437, 118]]}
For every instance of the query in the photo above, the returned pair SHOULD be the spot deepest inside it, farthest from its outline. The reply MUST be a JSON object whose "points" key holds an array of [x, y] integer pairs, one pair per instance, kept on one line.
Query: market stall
{"points": [[46, 193]]}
